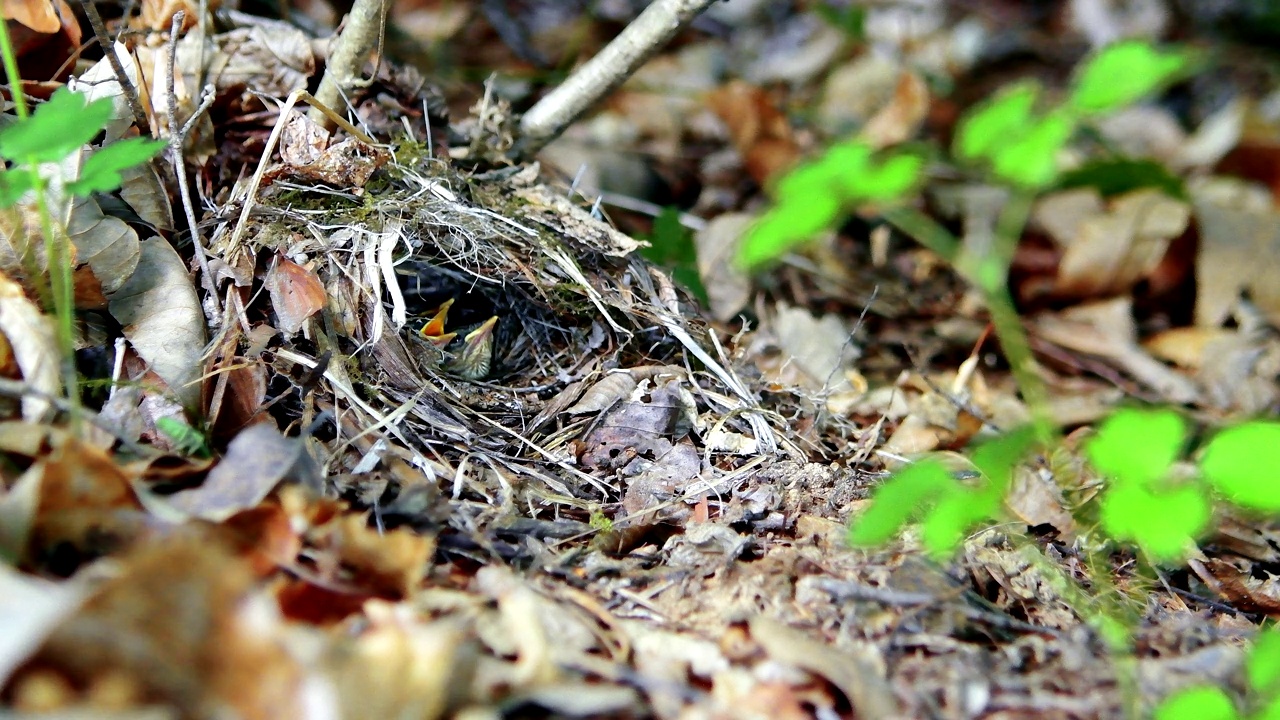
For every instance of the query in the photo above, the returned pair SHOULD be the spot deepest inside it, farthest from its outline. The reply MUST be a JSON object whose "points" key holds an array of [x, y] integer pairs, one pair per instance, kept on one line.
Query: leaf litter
{"points": [[634, 512]]}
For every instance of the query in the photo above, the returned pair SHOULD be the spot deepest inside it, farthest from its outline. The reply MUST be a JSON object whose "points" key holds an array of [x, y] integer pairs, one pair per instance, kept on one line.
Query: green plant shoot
{"points": [[946, 508], [59, 128]]}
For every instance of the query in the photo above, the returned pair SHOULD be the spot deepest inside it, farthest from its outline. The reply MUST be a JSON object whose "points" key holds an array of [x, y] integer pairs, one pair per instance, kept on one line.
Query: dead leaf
{"points": [[1239, 249], [257, 460], [728, 286], [106, 244], [760, 132], [1107, 251], [163, 320], [31, 339], [296, 293]]}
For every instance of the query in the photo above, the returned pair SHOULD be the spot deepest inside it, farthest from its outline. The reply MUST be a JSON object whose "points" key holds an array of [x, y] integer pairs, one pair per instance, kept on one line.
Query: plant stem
{"points": [[990, 275], [61, 295]]}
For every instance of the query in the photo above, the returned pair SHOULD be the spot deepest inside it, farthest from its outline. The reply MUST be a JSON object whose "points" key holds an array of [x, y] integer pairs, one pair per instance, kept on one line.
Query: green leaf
{"points": [[14, 183], [56, 129], [786, 226], [101, 172], [997, 458], [1124, 73], [1118, 176], [1137, 446], [1262, 667], [1031, 160], [992, 123], [959, 509], [1022, 148], [1202, 703], [1164, 524], [896, 176], [906, 495], [1243, 463]]}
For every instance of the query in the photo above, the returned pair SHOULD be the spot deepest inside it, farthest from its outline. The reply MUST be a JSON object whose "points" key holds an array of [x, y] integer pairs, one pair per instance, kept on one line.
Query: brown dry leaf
{"points": [[296, 293], [1236, 368], [99, 82], [257, 460], [30, 608], [1242, 590], [31, 343], [390, 565], [901, 118], [41, 16], [87, 506], [309, 157], [728, 286], [1108, 251], [611, 389], [1239, 249], [859, 672], [1106, 329], [157, 15], [162, 318], [760, 132], [107, 245], [178, 624], [402, 666], [1037, 500]]}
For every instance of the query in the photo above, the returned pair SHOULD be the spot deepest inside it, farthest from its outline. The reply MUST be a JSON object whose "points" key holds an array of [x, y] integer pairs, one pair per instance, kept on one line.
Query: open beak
{"points": [[433, 331]]}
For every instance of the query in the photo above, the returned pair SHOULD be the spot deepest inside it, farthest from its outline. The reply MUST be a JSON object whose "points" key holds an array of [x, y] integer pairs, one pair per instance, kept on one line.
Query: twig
{"points": [[177, 136], [363, 30], [18, 389], [108, 49], [606, 71]]}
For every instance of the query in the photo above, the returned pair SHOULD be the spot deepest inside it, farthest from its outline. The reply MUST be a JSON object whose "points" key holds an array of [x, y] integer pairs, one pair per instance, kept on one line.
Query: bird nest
{"points": [[607, 408]]}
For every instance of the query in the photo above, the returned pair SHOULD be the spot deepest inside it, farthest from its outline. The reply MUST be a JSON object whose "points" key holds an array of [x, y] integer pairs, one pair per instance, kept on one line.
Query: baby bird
{"points": [[470, 358]]}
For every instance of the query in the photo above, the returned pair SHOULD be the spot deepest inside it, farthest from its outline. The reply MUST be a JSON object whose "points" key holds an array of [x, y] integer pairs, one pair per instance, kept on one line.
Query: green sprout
{"points": [[56, 130]]}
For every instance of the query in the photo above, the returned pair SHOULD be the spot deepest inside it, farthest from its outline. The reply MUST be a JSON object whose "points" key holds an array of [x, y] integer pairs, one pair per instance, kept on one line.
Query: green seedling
{"points": [[186, 439], [945, 507], [56, 130], [1136, 450], [1018, 141]]}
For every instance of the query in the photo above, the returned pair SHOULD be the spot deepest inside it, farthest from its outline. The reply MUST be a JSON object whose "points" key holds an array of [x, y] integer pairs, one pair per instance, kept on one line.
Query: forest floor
{"points": [[641, 507]]}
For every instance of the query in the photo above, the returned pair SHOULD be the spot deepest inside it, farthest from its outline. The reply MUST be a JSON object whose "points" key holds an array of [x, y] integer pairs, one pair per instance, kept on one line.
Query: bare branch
{"points": [[362, 32], [652, 29]]}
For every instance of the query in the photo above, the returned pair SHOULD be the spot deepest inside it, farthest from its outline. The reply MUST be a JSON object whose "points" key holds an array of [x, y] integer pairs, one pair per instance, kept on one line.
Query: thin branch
{"points": [[178, 136], [652, 29], [109, 50]]}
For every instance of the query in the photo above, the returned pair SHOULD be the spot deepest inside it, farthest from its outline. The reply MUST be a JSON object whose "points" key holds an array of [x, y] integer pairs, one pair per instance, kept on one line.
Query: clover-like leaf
{"points": [[896, 176], [14, 183], [56, 129], [1163, 523], [786, 226], [101, 172], [945, 525], [908, 494], [996, 459], [1243, 463], [1137, 446], [991, 124], [1201, 703], [1262, 667], [1125, 72], [1031, 159]]}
